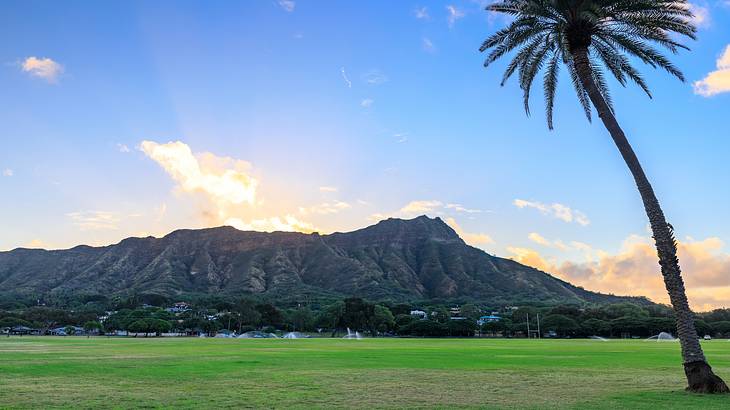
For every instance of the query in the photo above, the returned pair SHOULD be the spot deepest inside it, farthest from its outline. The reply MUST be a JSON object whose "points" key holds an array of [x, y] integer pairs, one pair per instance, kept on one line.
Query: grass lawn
{"points": [[76, 372]]}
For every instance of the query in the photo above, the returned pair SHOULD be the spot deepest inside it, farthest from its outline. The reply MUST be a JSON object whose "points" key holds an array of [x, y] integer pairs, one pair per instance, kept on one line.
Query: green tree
{"points": [[91, 326], [561, 324], [69, 330], [471, 312], [589, 36], [332, 315], [383, 319], [596, 327]]}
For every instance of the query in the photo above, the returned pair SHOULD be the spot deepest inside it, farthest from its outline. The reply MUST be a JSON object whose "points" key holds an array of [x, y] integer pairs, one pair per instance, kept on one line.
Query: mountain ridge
{"points": [[395, 259]]}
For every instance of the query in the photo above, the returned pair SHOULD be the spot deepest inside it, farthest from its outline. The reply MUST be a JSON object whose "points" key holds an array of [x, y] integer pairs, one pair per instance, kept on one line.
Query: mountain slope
{"points": [[396, 259]]}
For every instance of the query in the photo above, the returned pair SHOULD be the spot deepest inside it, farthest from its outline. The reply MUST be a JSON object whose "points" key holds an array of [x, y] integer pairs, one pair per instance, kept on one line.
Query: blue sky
{"points": [[333, 114]]}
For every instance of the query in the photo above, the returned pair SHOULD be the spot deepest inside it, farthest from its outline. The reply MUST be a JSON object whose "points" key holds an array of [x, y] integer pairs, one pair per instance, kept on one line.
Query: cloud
{"points": [[555, 210], [421, 207], [421, 13], [460, 208], [44, 68], [558, 244], [326, 208], [123, 148], [95, 220], [454, 14], [717, 81], [634, 270], [327, 189], [367, 102], [374, 77], [344, 77], [474, 239], [7, 172], [225, 185], [427, 45], [287, 5], [35, 244], [401, 137]]}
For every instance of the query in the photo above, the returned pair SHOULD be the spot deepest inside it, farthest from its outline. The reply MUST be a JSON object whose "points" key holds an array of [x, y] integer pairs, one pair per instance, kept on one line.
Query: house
{"points": [[419, 314], [488, 319], [61, 331], [23, 330], [179, 307]]}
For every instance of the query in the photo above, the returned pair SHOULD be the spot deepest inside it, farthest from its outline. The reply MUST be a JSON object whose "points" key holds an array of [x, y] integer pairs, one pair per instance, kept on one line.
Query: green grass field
{"points": [[75, 372]]}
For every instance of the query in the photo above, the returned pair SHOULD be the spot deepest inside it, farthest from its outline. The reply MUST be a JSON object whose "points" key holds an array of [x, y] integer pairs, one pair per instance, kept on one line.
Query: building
{"points": [[488, 319], [419, 314], [179, 307]]}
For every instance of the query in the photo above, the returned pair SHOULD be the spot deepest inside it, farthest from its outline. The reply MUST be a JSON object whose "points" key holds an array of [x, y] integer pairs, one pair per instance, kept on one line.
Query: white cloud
{"points": [[227, 187], [634, 270], [123, 148], [95, 220], [367, 102], [454, 14], [344, 77], [421, 13], [401, 137], [460, 208], [44, 68], [374, 77], [555, 210], [700, 15], [287, 5], [327, 189], [541, 240], [427, 45], [717, 81], [7, 172]]}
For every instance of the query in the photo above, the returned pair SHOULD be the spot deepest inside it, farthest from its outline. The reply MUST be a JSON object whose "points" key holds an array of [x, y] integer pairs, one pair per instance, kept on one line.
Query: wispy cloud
{"points": [[95, 220], [44, 68], [401, 137], [421, 13], [460, 208], [344, 77], [287, 5], [123, 148], [427, 45], [327, 189], [700, 14], [367, 102], [326, 208], [717, 81], [555, 210], [374, 77], [7, 172], [454, 14]]}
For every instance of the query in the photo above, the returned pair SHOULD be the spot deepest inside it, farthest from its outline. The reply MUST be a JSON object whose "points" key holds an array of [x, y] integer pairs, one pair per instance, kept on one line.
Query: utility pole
{"points": [[539, 335], [528, 325]]}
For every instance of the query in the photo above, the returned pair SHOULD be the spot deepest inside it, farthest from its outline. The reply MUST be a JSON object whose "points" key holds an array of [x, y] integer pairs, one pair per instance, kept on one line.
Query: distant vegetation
{"points": [[151, 315]]}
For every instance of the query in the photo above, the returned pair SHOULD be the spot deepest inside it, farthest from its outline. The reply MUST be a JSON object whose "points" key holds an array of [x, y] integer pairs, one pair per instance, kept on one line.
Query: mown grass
{"points": [[47, 372]]}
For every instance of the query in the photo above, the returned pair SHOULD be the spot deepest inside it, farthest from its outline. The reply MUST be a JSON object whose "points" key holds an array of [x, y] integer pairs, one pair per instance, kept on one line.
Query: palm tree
{"points": [[588, 37]]}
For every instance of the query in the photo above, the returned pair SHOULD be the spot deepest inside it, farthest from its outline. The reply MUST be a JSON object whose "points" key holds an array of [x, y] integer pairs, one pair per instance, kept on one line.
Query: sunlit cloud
{"points": [[454, 14], [287, 5], [421, 13], [460, 208], [474, 239], [557, 244], [717, 81], [44, 68], [327, 189], [421, 207], [635, 271], [95, 220], [36, 244], [7, 172], [224, 183], [555, 210]]}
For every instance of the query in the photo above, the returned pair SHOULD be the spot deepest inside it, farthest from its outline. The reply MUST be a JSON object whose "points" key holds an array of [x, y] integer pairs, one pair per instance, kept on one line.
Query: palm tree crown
{"points": [[548, 32]]}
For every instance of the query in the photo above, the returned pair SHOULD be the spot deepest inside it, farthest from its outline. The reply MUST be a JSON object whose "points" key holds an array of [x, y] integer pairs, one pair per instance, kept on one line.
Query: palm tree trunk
{"points": [[700, 377]]}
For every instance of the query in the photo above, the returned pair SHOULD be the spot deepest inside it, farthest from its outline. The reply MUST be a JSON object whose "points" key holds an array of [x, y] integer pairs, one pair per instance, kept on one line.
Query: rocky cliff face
{"points": [[421, 258]]}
